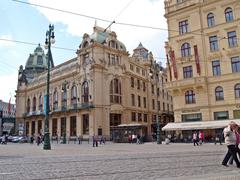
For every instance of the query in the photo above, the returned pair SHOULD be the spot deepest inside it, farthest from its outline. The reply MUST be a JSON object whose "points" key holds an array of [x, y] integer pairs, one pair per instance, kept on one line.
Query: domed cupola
{"points": [[36, 63]]}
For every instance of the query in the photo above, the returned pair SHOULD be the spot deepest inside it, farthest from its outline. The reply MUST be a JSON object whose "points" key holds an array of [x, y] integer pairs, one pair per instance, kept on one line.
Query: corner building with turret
{"points": [[103, 91]]}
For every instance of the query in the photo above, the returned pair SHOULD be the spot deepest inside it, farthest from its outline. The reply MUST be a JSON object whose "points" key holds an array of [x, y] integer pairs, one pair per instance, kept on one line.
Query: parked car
{"points": [[19, 139]]}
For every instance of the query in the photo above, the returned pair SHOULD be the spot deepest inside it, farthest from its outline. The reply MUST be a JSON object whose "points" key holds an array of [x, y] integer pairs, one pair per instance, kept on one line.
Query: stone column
{"points": [[79, 124]]}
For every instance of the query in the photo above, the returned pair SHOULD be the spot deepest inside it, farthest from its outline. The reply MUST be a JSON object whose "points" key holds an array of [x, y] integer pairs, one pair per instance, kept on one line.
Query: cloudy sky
{"points": [[28, 23]]}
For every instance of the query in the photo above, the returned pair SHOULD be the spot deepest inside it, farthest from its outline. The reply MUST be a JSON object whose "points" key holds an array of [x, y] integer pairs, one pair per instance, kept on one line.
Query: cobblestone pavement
{"points": [[115, 161]]}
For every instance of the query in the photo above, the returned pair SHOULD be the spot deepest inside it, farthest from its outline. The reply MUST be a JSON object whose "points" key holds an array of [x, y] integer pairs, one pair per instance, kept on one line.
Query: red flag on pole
{"points": [[172, 56], [197, 59], [169, 68]]}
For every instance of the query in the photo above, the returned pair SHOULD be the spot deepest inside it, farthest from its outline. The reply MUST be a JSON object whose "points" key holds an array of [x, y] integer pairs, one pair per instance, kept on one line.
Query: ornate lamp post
{"points": [[154, 76], [49, 40]]}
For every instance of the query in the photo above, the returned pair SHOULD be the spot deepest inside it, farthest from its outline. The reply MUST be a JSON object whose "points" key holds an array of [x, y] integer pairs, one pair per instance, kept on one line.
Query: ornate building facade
{"points": [[204, 63], [97, 92]]}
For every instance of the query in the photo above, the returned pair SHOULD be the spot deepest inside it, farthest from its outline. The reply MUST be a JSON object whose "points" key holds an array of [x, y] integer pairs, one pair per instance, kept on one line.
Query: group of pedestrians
{"points": [[96, 140], [232, 140], [198, 138]]}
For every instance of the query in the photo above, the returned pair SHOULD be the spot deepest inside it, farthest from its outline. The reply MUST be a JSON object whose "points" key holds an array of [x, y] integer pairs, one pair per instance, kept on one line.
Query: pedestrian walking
{"points": [[38, 139], [237, 143], [4, 139], [94, 140], [230, 140], [201, 137], [218, 139], [195, 138]]}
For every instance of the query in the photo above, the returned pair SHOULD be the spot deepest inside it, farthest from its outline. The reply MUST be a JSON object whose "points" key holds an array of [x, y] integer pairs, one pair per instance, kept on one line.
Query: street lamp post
{"points": [[49, 40], [157, 93]]}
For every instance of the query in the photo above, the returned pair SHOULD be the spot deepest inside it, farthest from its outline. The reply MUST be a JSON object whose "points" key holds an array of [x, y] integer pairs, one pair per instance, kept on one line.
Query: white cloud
{"points": [[6, 41], [141, 12], [9, 86]]}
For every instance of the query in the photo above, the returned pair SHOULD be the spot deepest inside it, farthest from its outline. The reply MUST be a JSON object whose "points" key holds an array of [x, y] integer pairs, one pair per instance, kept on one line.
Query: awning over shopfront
{"points": [[214, 124]]}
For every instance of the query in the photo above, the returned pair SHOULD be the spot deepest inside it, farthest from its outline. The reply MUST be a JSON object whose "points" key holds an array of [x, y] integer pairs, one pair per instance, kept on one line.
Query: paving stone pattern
{"points": [[115, 162]]}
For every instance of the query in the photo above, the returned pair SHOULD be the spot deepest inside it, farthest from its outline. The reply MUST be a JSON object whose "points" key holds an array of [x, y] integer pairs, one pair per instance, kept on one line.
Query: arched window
{"points": [[28, 105], [190, 97], [40, 103], [115, 91], [219, 93], [113, 44], [74, 95], [229, 14], [185, 50], [210, 20], [85, 92], [237, 91], [64, 97], [55, 100], [34, 104]]}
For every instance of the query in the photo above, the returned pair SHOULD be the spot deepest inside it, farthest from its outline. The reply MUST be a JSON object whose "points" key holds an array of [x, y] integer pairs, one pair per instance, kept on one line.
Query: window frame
{"points": [[219, 94], [210, 19], [216, 68], [213, 43], [183, 27], [185, 50], [187, 72], [228, 14]]}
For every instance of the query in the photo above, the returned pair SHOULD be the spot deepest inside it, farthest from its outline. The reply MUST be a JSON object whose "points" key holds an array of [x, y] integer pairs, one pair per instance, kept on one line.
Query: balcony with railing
{"points": [[63, 108], [187, 83]]}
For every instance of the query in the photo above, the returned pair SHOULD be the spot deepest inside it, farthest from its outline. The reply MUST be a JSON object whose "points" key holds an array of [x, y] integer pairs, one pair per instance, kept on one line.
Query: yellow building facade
{"points": [[103, 91], [204, 61]]}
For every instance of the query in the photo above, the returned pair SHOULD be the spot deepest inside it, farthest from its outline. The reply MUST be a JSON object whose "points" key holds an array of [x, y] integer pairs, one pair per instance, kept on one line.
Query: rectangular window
{"points": [[187, 72], [216, 68], [145, 118], [138, 84], [139, 117], [213, 42], [131, 67], [63, 126], [221, 115], [54, 127], [144, 86], [73, 126], [232, 39], [158, 105], [139, 101], [152, 89], [85, 123], [236, 114], [154, 118], [183, 27], [235, 64], [132, 82], [153, 104], [191, 117], [133, 116], [163, 106], [144, 102], [143, 72], [133, 99]]}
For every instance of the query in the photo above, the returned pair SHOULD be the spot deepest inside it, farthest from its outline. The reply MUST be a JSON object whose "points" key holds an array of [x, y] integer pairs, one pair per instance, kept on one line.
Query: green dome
{"points": [[37, 62]]}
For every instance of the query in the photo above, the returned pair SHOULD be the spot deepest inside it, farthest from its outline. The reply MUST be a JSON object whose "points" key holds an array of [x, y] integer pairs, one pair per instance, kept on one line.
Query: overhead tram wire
{"points": [[104, 20], [35, 44]]}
